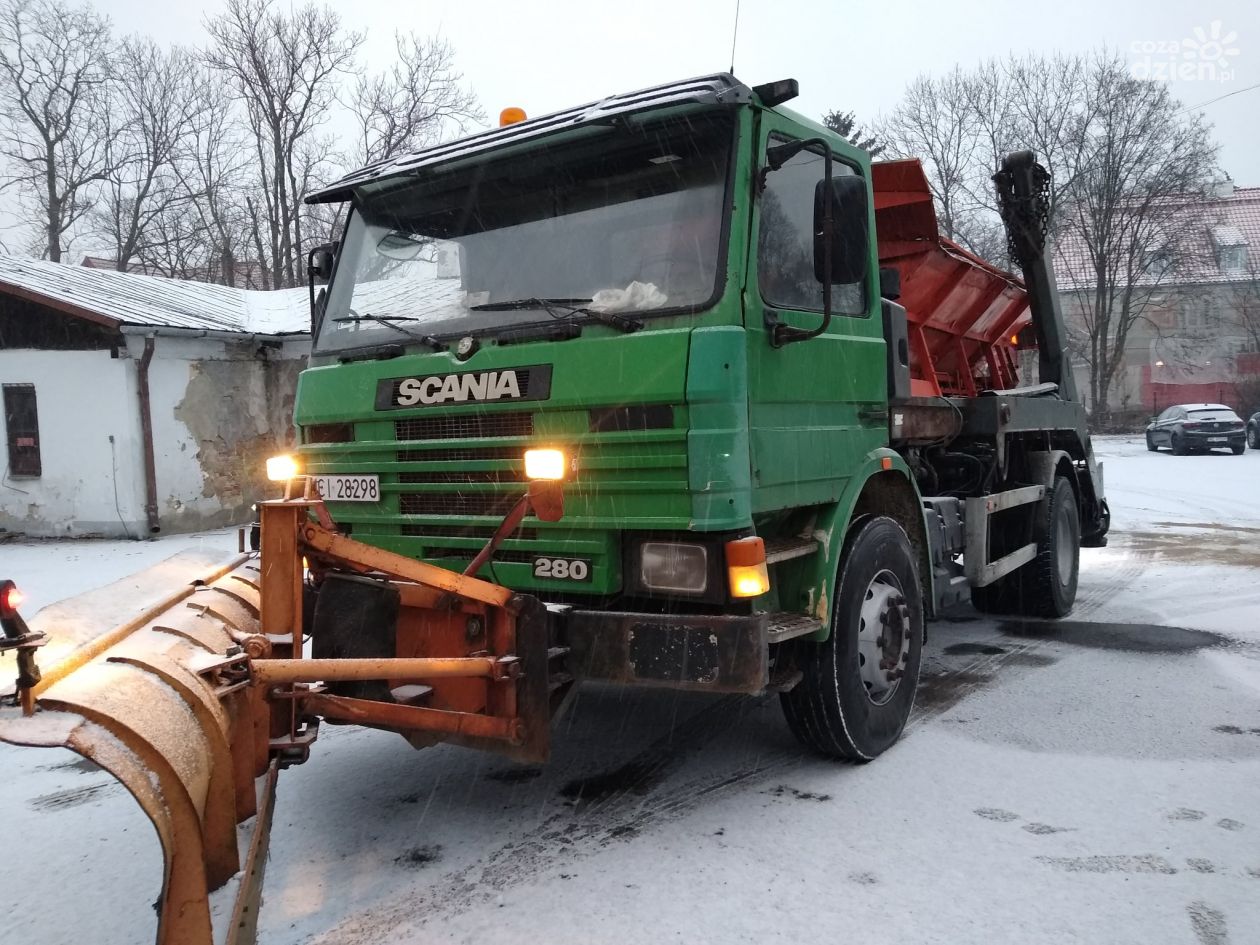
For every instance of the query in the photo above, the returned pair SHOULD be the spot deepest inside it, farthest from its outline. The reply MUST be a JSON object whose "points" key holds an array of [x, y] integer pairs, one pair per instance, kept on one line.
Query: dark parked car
{"points": [[1192, 427], [1253, 431]]}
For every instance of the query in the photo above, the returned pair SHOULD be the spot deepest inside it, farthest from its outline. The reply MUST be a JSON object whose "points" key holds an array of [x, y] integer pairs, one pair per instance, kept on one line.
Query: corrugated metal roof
{"points": [[122, 298]]}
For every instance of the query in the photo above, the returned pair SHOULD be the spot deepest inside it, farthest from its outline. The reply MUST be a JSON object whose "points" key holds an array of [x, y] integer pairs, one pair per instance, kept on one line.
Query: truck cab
{"points": [[678, 293]]}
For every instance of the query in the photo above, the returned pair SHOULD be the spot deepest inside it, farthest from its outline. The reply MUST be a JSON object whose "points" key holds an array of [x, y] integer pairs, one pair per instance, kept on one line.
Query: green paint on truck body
{"points": [[761, 439]]}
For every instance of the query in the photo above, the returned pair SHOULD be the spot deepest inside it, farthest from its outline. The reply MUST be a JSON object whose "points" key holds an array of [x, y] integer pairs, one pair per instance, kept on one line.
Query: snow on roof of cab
{"points": [[116, 299]]}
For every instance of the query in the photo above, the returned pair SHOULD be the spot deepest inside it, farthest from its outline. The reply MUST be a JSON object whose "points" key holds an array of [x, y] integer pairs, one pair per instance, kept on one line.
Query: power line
{"points": [[1220, 98]]}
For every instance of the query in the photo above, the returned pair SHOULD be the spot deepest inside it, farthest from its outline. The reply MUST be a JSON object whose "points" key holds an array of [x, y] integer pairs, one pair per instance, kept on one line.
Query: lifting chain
{"points": [[1025, 211]]}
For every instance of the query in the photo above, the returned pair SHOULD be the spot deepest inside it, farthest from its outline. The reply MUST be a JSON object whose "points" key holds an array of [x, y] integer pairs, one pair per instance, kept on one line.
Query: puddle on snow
{"points": [[1130, 637], [1225, 545]]}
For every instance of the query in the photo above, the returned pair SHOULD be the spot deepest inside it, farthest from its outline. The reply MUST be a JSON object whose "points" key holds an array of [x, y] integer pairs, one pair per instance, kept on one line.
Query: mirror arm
{"points": [[310, 284], [781, 334]]}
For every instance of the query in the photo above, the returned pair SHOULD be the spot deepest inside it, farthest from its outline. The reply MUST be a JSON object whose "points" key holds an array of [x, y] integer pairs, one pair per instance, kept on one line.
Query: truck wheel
{"points": [[1000, 597], [858, 686], [1048, 585]]}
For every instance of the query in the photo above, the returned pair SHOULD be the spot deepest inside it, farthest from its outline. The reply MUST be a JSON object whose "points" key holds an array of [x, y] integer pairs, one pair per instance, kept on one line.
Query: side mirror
{"points": [[848, 239], [319, 264]]}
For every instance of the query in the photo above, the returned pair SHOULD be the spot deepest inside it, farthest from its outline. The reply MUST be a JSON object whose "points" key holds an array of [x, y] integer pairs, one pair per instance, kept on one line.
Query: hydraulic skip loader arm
{"points": [[199, 697]]}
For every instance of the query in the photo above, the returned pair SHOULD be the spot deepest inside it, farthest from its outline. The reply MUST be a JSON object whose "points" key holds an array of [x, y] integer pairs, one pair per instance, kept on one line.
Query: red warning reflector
{"points": [[10, 598]]}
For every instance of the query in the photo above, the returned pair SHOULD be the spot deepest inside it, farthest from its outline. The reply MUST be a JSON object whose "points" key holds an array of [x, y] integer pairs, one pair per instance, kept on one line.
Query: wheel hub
{"points": [[883, 637]]}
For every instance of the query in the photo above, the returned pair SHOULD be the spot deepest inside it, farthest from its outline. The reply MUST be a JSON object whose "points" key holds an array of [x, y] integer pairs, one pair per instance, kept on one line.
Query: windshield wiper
{"points": [[563, 309], [389, 322]]}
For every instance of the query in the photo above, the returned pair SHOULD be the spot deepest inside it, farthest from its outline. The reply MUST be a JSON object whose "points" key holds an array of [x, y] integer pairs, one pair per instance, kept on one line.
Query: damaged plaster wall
{"points": [[220, 409]]}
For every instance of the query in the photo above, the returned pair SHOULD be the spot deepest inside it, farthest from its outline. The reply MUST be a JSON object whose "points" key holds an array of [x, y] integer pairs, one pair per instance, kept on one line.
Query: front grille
{"points": [[425, 503], [463, 531], [462, 476], [468, 426], [460, 454], [499, 557], [328, 433]]}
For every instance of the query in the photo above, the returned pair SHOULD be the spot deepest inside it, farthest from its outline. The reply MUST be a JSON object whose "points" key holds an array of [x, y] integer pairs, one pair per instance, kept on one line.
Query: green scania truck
{"points": [[785, 414]]}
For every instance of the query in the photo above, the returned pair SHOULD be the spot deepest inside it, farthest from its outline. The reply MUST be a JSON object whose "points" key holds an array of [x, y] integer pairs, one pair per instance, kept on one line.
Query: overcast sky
{"points": [[547, 54]]}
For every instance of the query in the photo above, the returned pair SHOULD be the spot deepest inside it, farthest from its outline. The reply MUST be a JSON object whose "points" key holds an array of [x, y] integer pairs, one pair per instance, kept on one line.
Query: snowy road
{"points": [[1098, 784]]}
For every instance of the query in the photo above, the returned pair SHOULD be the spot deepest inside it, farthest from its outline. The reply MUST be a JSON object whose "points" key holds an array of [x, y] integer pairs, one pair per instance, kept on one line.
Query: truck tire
{"points": [[1000, 597], [1048, 582], [858, 686]]}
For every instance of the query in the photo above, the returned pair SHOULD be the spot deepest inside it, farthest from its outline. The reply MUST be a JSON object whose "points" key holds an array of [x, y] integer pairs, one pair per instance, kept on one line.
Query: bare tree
{"points": [[284, 67], [213, 166], [414, 103], [1135, 209], [934, 123], [55, 121], [156, 100]]}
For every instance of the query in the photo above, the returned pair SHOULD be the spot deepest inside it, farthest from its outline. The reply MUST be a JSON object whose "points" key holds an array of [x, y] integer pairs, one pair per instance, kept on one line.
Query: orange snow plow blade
{"points": [[191, 684], [160, 700]]}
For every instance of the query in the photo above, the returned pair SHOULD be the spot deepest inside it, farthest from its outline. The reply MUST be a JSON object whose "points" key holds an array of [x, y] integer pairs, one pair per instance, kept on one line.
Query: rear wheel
{"points": [[1150, 443], [1049, 580], [1178, 445], [858, 686], [1000, 597]]}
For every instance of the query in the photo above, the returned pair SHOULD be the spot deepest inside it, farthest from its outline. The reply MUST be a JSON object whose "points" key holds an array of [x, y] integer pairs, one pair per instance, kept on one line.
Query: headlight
{"points": [[282, 468], [544, 464], [668, 566]]}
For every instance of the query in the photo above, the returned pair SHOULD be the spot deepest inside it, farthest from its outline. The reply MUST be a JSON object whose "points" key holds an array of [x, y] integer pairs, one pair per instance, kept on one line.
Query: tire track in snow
{"points": [[1115, 578], [639, 795]]}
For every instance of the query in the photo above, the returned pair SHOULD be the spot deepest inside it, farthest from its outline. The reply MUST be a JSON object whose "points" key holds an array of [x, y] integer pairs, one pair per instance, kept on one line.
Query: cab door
{"points": [[817, 406]]}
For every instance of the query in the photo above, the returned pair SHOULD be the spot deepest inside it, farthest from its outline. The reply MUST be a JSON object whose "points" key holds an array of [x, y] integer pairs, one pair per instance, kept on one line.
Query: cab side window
{"points": [[785, 241]]}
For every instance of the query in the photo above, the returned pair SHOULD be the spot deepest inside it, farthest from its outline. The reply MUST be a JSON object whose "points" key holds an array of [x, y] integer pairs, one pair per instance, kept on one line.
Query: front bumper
{"points": [[1217, 441], [712, 653]]}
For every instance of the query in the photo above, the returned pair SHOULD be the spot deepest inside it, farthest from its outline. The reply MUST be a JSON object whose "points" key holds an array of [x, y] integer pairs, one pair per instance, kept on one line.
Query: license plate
{"points": [[1218, 439], [348, 488]]}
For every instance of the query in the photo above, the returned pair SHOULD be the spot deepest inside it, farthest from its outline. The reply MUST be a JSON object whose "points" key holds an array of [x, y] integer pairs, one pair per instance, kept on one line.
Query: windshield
{"points": [[626, 220]]}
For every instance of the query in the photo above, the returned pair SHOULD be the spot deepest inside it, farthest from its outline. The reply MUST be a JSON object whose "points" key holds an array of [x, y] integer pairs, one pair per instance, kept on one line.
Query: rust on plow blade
{"points": [[159, 699]]}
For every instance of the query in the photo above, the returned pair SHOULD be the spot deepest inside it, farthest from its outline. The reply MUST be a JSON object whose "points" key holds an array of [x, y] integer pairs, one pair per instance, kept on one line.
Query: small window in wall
{"points": [[21, 425]]}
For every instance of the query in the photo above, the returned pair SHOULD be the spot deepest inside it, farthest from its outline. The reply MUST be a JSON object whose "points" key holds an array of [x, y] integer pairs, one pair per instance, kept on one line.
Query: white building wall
{"points": [[83, 399], [218, 409]]}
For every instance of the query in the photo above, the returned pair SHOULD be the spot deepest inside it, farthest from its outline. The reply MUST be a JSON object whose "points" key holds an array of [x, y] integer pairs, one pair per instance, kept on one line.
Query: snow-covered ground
{"points": [[1100, 784]]}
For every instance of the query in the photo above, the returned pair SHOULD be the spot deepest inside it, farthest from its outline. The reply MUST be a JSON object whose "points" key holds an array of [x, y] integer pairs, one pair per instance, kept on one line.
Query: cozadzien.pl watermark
{"points": [[1208, 54]]}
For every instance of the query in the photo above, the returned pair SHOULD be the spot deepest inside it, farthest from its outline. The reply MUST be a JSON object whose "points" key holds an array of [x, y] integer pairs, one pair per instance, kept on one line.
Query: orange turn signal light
{"points": [[746, 570], [511, 116]]}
